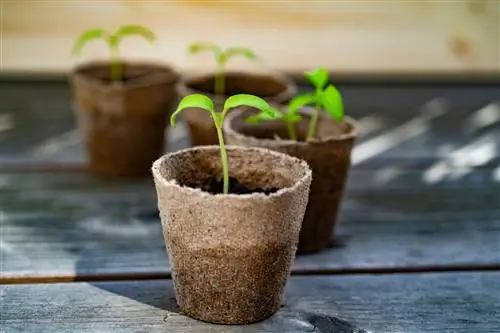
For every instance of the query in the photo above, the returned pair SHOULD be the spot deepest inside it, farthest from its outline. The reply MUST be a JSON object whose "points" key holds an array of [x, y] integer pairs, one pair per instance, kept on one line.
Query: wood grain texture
{"points": [[404, 36], [71, 225], [397, 123], [454, 303]]}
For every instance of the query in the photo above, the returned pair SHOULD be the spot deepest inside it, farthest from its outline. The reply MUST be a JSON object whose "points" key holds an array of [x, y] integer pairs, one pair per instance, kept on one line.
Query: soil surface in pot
{"points": [[214, 185], [239, 83], [132, 73]]}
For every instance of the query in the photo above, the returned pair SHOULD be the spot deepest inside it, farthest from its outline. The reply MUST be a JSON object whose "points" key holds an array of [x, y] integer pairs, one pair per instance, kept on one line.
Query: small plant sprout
{"points": [[113, 42], [205, 103], [326, 97], [221, 59]]}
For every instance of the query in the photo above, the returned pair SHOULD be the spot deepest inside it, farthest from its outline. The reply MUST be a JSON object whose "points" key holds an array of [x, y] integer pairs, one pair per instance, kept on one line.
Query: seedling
{"points": [[221, 59], [113, 42], [326, 97], [205, 103]]}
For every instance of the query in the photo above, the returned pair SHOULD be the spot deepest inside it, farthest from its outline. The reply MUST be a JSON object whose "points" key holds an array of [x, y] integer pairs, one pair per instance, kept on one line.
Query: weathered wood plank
{"points": [[70, 224], [454, 303], [37, 124]]}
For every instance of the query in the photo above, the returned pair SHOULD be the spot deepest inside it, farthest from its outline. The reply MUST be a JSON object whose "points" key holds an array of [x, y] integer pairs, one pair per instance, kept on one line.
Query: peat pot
{"points": [[123, 123], [271, 87], [231, 254], [329, 157]]}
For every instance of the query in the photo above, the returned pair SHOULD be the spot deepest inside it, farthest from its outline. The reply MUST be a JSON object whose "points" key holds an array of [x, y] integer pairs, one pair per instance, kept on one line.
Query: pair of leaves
{"points": [[318, 77], [112, 39], [205, 103], [222, 56], [329, 99]]}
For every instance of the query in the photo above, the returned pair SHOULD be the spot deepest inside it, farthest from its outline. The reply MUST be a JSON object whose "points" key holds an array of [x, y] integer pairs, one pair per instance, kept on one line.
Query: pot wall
{"points": [[329, 158]]}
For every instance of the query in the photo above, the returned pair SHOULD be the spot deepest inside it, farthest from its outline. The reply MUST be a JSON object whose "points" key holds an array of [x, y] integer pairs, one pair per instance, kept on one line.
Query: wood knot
{"points": [[460, 47], [476, 6]]}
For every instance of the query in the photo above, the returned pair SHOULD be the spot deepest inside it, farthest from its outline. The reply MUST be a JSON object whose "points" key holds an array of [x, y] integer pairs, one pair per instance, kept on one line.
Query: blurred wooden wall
{"points": [[291, 35]]}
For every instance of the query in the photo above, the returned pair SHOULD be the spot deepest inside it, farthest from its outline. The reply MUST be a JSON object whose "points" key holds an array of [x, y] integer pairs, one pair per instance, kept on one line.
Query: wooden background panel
{"points": [[290, 35], [444, 303]]}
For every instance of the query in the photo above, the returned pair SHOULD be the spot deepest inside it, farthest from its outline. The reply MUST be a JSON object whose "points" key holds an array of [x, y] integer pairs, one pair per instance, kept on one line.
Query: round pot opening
{"points": [[251, 170], [134, 73], [274, 132], [265, 86]]}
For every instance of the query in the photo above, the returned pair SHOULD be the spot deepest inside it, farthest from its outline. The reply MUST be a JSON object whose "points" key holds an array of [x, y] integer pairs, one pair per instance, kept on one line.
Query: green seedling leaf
{"points": [[88, 36], [237, 51], [193, 101], [204, 46], [318, 77], [254, 120], [332, 102], [248, 100], [131, 30], [293, 118], [300, 101]]}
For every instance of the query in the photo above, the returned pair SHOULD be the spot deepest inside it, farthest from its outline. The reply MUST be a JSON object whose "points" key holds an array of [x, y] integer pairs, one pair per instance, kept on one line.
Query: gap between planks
{"points": [[322, 272]]}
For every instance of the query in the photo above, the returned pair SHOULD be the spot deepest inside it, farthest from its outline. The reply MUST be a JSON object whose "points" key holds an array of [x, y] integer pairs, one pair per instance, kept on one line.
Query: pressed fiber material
{"points": [[123, 124], [273, 88], [231, 255], [329, 158]]}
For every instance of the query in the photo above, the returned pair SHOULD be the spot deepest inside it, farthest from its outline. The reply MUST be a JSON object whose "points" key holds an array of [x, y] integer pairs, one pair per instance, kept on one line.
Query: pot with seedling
{"points": [[122, 107], [221, 84], [320, 135], [231, 218]]}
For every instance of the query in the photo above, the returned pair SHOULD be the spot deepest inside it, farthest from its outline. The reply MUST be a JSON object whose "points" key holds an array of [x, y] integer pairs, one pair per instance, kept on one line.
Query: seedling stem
{"points": [[205, 103]]}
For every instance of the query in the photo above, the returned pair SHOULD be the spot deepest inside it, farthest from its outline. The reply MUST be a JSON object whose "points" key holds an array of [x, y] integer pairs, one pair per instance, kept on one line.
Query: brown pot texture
{"points": [[273, 88], [231, 255], [123, 123], [329, 158]]}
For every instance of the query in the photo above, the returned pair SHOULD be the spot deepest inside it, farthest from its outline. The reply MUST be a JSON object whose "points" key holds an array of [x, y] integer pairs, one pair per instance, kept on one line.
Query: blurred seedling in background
{"points": [[325, 98], [221, 58], [205, 103], [113, 42]]}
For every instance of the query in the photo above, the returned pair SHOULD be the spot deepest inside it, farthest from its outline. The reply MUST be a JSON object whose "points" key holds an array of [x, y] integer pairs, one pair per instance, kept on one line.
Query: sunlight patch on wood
{"points": [[6, 122], [57, 143], [486, 116], [409, 130], [462, 161]]}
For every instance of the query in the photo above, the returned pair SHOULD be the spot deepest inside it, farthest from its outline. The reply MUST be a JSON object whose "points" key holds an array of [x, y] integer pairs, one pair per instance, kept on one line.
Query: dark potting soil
{"points": [[215, 186], [124, 79]]}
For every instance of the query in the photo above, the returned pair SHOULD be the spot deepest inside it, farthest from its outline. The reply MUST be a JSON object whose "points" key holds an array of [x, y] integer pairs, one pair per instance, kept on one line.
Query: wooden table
{"points": [[417, 249]]}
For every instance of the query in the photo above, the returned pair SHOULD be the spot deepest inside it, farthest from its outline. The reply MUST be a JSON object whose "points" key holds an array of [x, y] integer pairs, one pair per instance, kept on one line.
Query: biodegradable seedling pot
{"points": [[329, 157], [123, 123], [231, 254]]}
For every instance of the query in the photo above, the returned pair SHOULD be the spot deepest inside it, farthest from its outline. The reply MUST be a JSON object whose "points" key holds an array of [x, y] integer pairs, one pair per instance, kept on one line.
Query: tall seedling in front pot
{"points": [[122, 107], [311, 127], [230, 251]]}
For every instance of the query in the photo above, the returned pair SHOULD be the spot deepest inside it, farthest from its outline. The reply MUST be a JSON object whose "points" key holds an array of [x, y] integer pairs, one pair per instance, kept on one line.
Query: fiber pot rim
{"points": [[158, 164], [183, 85], [79, 71], [232, 115]]}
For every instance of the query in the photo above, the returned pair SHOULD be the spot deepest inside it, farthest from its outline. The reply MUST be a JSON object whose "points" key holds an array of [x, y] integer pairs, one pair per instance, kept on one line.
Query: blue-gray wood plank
{"points": [[394, 303], [422, 193]]}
